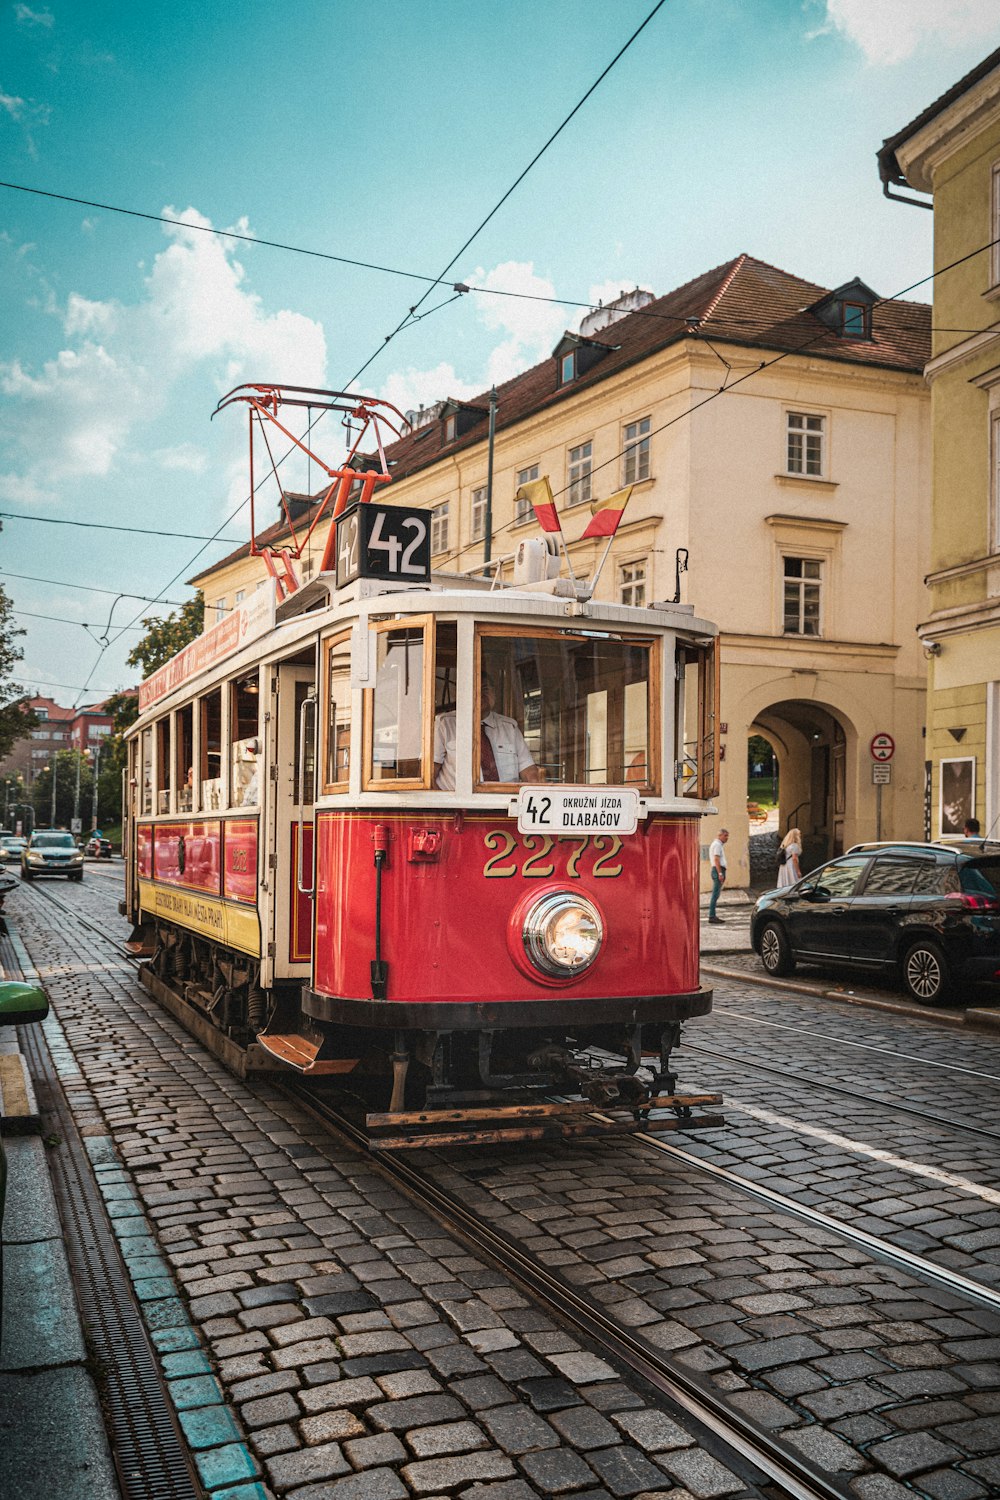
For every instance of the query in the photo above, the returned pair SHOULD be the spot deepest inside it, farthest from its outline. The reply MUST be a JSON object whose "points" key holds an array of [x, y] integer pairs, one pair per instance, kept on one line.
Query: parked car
{"points": [[927, 912], [19, 1005], [50, 851], [11, 845], [98, 848]]}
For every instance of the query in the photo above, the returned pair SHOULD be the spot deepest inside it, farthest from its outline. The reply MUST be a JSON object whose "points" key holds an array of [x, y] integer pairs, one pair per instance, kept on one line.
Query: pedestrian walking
{"points": [[789, 854], [717, 859]]}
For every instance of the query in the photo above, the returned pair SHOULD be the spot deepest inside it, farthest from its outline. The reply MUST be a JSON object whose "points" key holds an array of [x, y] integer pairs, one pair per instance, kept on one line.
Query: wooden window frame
{"points": [[334, 788], [654, 643], [705, 781], [424, 782]]}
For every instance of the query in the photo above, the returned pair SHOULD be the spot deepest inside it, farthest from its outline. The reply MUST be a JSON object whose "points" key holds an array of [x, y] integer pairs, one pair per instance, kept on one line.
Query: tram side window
{"points": [[398, 734], [337, 732], [245, 696], [163, 778], [184, 764], [696, 718], [210, 731], [147, 771], [587, 707]]}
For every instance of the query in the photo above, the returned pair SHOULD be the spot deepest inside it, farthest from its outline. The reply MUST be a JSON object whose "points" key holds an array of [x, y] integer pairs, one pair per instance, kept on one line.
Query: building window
{"points": [[803, 582], [220, 611], [567, 367], [806, 436], [994, 538], [636, 451], [855, 320], [995, 227], [580, 462], [439, 528], [238, 597], [632, 584], [523, 509], [450, 428], [477, 514]]}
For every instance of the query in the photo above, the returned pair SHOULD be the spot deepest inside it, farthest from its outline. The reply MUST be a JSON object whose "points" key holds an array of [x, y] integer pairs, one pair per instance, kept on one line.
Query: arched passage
{"points": [[811, 742]]}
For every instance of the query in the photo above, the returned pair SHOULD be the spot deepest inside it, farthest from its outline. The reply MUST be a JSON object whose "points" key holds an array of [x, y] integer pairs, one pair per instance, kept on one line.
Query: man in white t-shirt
{"points": [[504, 756], [717, 859]]}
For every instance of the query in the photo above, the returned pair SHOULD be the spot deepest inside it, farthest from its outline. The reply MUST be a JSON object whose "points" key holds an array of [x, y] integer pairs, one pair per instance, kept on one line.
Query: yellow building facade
{"points": [[790, 461], [952, 152]]}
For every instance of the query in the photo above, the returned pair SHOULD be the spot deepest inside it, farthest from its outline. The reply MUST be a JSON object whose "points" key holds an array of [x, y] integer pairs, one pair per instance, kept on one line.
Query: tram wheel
{"points": [[926, 977], [775, 954]]}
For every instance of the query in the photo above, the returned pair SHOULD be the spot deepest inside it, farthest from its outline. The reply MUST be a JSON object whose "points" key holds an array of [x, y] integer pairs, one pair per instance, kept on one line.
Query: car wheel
{"points": [[925, 973], [77, 876], [775, 954]]}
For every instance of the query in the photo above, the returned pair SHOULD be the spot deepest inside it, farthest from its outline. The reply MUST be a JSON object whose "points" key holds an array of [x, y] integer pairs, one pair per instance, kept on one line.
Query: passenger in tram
{"points": [[504, 754]]}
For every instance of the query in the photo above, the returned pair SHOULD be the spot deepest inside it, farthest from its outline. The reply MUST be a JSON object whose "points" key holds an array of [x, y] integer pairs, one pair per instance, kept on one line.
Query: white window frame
{"points": [[579, 464], [632, 582], [635, 450], [439, 527], [524, 511], [802, 583], [567, 368], [220, 610], [477, 513], [238, 597], [796, 426]]}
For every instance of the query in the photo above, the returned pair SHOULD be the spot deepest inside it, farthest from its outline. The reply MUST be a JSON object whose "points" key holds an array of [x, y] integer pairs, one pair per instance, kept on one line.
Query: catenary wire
{"points": [[62, 619], [58, 583]]}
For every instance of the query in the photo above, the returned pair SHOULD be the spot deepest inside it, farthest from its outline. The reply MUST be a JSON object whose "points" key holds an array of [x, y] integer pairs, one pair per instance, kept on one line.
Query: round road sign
{"points": [[882, 747]]}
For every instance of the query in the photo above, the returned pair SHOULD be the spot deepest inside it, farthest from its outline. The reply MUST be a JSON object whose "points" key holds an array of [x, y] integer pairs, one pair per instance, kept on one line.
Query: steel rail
{"points": [[840, 1088], [916, 1265], [796, 1479]]}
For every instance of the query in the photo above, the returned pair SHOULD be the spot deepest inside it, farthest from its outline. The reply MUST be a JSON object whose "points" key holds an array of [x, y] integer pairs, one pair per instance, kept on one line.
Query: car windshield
{"points": [[53, 841]]}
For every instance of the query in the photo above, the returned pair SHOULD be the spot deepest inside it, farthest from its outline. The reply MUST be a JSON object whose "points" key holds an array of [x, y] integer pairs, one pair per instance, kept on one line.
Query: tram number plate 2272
{"points": [[576, 810]]}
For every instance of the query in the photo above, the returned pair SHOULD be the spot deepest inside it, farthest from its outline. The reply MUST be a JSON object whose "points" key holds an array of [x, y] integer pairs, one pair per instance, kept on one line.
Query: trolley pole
{"points": [[488, 538]]}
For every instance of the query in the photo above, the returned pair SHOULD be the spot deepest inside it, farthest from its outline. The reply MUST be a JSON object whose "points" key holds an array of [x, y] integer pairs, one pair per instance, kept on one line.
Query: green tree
{"points": [[16, 719], [66, 762], [164, 638]]}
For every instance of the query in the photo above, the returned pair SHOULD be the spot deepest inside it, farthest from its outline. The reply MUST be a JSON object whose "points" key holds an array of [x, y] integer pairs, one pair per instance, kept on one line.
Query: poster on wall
{"points": [[958, 795]]}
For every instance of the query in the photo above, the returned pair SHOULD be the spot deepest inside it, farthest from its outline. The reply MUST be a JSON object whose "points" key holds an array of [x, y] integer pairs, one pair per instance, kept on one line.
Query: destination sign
{"points": [[576, 809]]}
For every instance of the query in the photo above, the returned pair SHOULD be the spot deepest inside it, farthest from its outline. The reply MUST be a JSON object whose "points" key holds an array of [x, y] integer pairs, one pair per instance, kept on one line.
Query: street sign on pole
{"points": [[881, 775], [882, 747], [76, 825]]}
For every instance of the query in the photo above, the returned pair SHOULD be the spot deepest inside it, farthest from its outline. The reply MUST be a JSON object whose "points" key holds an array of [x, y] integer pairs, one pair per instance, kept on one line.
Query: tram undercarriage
{"points": [[463, 1084]]}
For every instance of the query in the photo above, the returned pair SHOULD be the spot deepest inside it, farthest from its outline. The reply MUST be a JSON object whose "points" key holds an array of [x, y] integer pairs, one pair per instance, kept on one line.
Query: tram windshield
{"points": [[578, 707]]}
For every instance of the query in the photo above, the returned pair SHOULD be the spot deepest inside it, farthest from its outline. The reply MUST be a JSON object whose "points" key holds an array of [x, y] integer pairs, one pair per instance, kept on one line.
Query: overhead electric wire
{"points": [[13, 515], [62, 619], [89, 588]]}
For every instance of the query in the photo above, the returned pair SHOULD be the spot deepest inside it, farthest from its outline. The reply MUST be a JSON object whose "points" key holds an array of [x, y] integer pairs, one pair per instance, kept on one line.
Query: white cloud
{"points": [[532, 327], [195, 319], [186, 457], [12, 104], [889, 31], [412, 388], [24, 16]]}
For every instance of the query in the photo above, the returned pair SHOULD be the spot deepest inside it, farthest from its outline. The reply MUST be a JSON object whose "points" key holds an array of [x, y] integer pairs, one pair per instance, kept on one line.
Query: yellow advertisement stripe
{"points": [[223, 921]]}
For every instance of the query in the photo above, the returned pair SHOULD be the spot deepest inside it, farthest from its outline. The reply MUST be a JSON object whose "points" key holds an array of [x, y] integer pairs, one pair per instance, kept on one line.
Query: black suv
{"points": [[929, 912]]}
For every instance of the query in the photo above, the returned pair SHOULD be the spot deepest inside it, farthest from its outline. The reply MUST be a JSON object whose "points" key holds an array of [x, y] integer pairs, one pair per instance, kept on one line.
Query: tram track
{"points": [[782, 1474]]}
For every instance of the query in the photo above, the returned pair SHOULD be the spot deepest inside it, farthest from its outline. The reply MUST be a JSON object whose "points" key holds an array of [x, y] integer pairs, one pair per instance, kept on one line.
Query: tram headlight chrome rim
{"points": [[563, 934]]}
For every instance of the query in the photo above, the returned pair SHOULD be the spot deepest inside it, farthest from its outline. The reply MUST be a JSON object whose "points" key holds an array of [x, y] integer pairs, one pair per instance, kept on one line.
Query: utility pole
{"points": [[488, 539], [97, 772], [52, 820], [76, 794]]}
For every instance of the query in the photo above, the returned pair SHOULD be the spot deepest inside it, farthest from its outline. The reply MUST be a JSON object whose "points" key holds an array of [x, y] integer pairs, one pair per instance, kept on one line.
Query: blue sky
{"points": [[383, 133]]}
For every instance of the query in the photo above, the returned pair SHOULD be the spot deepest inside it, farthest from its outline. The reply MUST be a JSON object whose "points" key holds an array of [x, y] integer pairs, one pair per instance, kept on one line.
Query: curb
{"points": [[988, 1020]]}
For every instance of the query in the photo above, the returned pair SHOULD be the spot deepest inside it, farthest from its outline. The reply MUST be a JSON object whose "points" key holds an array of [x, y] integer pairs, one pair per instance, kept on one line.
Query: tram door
{"points": [[293, 787]]}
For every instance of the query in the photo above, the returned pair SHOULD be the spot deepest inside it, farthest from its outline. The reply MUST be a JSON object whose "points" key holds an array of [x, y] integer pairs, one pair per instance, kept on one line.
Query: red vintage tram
{"points": [[326, 872]]}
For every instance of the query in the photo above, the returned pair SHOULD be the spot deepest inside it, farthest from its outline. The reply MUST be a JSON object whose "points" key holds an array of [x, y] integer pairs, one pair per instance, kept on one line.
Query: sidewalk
{"points": [[52, 1437], [732, 932]]}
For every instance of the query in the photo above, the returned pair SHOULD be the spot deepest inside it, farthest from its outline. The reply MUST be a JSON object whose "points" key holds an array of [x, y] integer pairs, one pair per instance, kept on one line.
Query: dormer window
{"points": [[856, 320], [576, 356], [847, 312], [567, 368], [459, 418]]}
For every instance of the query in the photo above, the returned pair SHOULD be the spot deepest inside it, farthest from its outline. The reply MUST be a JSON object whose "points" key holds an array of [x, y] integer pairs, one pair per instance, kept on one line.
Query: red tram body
{"points": [[311, 893]]}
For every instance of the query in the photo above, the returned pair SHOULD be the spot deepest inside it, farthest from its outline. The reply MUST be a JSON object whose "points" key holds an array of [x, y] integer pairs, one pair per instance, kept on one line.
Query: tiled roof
{"points": [[744, 302], [889, 168]]}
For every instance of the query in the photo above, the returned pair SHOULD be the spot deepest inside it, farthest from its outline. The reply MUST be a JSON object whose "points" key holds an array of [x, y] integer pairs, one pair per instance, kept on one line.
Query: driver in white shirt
{"points": [[504, 755]]}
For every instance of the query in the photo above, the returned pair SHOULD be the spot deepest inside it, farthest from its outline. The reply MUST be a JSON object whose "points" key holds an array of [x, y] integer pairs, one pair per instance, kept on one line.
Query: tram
{"points": [[433, 837]]}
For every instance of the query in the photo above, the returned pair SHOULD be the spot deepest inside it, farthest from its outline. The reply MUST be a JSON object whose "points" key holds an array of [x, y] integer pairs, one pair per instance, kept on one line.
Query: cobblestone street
{"points": [[323, 1337]]}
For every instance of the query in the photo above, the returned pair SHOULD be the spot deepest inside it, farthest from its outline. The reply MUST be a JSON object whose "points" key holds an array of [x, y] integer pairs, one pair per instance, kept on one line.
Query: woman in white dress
{"points": [[790, 872]]}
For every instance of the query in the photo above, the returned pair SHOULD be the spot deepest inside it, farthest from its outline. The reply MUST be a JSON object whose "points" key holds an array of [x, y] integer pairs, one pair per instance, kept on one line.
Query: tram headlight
{"points": [[562, 934]]}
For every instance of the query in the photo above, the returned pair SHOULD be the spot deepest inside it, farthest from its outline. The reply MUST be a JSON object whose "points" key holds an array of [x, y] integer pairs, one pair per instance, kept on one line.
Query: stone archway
{"points": [[811, 742]]}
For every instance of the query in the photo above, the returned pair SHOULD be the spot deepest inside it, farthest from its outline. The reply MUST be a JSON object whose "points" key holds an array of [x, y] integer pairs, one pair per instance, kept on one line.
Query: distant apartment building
{"points": [[777, 438], [951, 151], [57, 729]]}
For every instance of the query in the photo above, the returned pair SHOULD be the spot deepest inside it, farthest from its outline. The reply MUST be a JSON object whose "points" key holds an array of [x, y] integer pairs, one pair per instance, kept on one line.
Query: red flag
{"points": [[539, 493], [606, 514]]}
